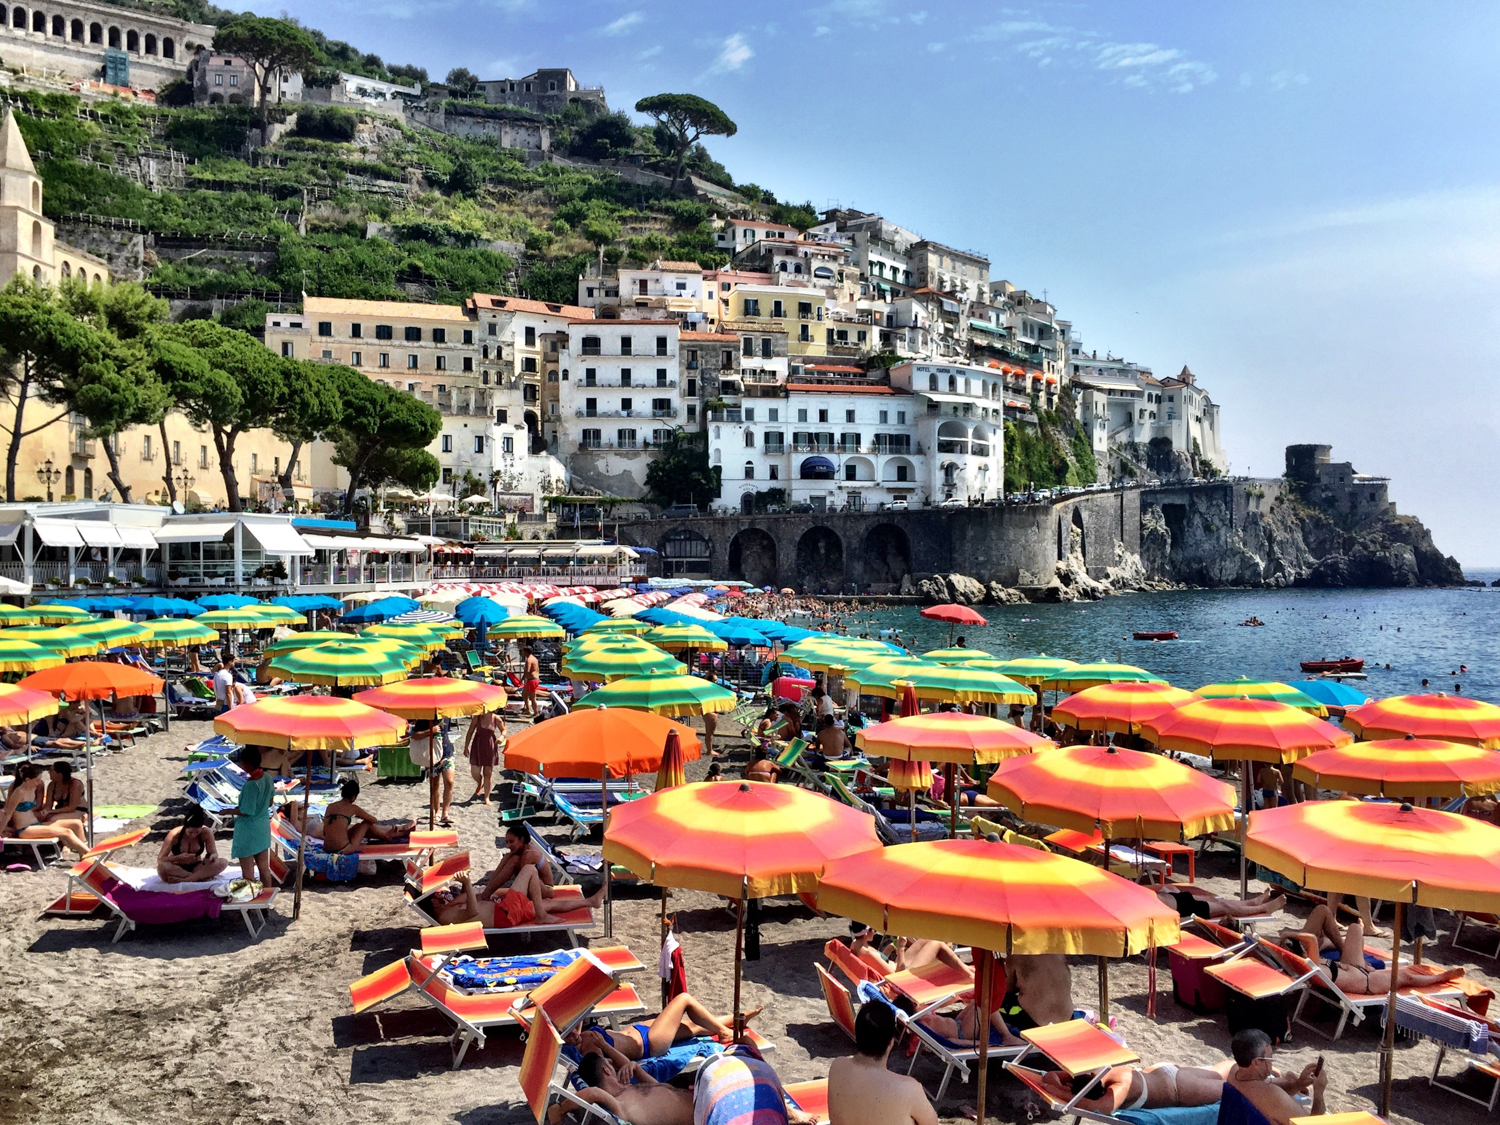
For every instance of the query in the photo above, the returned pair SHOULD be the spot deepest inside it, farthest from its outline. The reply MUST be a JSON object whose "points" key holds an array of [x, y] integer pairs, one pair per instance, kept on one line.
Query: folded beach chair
{"points": [[422, 883], [1079, 1049], [810, 1097], [928, 987], [1457, 1027], [954, 1055], [840, 1003], [789, 762]]}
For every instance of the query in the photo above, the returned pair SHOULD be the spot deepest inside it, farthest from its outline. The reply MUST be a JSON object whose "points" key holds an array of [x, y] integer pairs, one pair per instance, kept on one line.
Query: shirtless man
{"points": [[531, 681], [1190, 902], [1350, 972], [522, 905], [519, 852], [1041, 987], [863, 1091], [1156, 1087], [632, 1096], [1268, 1092]]}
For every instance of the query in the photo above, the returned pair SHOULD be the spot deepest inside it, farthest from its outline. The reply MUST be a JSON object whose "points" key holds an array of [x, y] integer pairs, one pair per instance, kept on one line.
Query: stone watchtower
{"points": [[1303, 461]]}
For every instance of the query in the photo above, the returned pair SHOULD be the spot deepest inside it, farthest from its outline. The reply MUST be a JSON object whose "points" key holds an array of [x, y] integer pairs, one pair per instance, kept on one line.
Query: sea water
{"points": [[1404, 636]]}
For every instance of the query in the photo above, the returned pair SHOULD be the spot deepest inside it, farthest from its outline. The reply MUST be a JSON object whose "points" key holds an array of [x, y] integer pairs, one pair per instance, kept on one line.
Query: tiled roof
{"points": [[396, 310], [524, 304]]}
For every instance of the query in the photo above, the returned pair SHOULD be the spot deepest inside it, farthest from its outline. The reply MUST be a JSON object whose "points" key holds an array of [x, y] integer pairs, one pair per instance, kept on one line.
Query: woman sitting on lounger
{"points": [[307, 825], [1350, 972], [342, 833], [65, 799], [62, 731], [683, 1018], [1193, 902], [523, 905], [188, 854], [19, 817]]}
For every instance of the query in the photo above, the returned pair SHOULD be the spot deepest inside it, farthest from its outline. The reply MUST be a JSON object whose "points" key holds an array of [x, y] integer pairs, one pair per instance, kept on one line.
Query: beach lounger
{"points": [[1180, 1115], [1462, 1029], [584, 811], [1079, 1049], [888, 831], [953, 1054], [1487, 924], [810, 1097], [422, 883], [35, 846], [928, 987], [789, 762], [840, 1003], [1256, 975], [344, 866]]}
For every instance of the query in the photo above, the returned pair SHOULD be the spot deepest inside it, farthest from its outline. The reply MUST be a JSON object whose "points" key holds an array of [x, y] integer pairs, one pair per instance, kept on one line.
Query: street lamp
{"points": [[185, 480], [48, 475]]}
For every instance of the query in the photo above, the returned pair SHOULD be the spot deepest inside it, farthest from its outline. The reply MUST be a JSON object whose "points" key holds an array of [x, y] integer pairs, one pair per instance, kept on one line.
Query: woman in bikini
{"points": [[65, 799], [188, 854], [1351, 972], [683, 1018], [910, 953], [19, 818], [343, 834], [1157, 1087], [964, 1028]]}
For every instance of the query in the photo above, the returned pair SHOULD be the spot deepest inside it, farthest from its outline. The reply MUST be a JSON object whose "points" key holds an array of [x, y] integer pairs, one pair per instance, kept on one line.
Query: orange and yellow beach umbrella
{"points": [[1452, 718], [949, 736], [1116, 792], [434, 697], [1122, 707], [615, 741], [1244, 730], [310, 722], [1404, 767]]}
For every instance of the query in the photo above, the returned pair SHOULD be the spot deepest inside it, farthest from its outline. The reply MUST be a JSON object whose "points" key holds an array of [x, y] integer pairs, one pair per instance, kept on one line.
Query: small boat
{"points": [[1252, 621], [1164, 635], [1347, 664]]}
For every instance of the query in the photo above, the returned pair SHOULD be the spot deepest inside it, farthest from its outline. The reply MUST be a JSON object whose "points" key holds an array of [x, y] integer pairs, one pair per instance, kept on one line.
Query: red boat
{"points": [[1347, 664], [1165, 635]]}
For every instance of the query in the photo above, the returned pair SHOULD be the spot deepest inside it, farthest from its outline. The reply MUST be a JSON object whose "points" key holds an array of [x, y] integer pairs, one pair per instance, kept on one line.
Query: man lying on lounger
{"points": [[629, 1093], [683, 1018], [523, 904], [1193, 902], [1350, 972]]}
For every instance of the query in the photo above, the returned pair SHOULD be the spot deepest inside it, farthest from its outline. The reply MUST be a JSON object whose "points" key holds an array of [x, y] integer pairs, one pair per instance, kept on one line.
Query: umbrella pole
{"points": [[911, 795], [88, 765], [1104, 989], [609, 906], [986, 984], [1245, 804], [739, 945], [1388, 1044], [950, 782], [302, 838], [666, 928]]}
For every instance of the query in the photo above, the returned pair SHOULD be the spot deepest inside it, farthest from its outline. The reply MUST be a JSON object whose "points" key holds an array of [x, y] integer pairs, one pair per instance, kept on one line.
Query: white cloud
{"points": [[733, 54], [918, 18], [822, 29], [1284, 78], [649, 53], [1138, 65], [936, 48], [622, 25]]}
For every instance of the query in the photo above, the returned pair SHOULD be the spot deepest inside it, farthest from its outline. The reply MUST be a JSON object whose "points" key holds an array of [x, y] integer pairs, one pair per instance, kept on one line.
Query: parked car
{"points": [[679, 511], [801, 509], [899, 504], [955, 502]]}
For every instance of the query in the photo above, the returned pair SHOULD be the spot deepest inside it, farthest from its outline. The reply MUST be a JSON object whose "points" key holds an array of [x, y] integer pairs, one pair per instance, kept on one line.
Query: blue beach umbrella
{"points": [[1332, 693], [164, 607], [308, 603], [737, 634], [381, 610], [226, 601], [480, 613]]}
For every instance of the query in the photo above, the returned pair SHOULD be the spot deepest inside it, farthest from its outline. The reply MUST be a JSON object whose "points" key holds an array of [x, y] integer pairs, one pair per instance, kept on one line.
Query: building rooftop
{"points": [[845, 388], [410, 310], [707, 337], [680, 267], [525, 304]]}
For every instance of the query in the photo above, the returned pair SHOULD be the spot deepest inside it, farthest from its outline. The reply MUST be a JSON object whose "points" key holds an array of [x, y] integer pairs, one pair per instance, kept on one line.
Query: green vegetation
{"points": [[680, 473], [681, 120], [1055, 453]]}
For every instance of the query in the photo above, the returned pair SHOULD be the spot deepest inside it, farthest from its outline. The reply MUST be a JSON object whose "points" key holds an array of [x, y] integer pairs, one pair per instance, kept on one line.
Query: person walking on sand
{"points": [[252, 823], [482, 746], [862, 1090], [531, 681]]}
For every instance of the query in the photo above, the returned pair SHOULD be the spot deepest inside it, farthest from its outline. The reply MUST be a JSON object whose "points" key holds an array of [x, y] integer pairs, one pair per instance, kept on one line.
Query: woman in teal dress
{"points": [[252, 827]]}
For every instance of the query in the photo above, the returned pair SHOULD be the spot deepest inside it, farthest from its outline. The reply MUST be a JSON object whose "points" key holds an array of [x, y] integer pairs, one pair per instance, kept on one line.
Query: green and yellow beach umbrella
{"points": [[606, 640], [606, 663], [627, 626], [956, 655], [1032, 670], [964, 685], [23, 656], [111, 631], [1082, 676], [345, 664], [1264, 689], [304, 639], [15, 615], [229, 620], [663, 695], [175, 632], [63, 641], [682, 638], [414, 635], [878, 677], [825, 654], [276, 614], [523, 626], [55, 613]]}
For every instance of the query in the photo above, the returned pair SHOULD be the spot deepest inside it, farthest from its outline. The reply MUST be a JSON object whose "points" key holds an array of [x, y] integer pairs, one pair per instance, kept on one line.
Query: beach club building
{"points": [[959, 418]]}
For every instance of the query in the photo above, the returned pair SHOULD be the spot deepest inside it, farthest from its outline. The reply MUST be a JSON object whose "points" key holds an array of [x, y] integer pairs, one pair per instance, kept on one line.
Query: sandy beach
{"points": [[197, 1023]]}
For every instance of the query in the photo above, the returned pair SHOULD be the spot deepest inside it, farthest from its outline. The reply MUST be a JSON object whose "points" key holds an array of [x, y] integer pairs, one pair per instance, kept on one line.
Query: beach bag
{"points": [[1271, 1014], [239, 890], [424, 750], [1192, 987]]}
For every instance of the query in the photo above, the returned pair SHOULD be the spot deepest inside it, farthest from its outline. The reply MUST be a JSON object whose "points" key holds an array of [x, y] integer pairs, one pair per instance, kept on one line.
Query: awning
{"points": [[278, 538], [96, 533], [333, 542], [9, 531], [136, 538], [205, 532], [57, 533]]}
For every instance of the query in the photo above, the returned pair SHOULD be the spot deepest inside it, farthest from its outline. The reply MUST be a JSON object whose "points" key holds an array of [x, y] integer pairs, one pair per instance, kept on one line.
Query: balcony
{"points": [[632, 385], [670, 412], [896, 449], [607, 446], [726, 415]]}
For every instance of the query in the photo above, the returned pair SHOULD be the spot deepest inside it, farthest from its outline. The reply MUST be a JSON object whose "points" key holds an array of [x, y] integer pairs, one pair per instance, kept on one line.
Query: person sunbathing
{"points": [[1350, 972], [1266, 1089], [1163, 1086], [630, 1094], [761, 767], [910, 953], [520, 851], [341, 832], [188, 854], [13, 739], [301, 821], [62, 731], [964, 1027], [523, 904], [683, 1018], [861, 1088], [19, 817], [1194, 902]]}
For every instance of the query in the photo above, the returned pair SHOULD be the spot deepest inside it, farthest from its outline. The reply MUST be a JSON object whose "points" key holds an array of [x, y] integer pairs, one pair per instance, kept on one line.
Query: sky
{"points": [[1300, 202]]}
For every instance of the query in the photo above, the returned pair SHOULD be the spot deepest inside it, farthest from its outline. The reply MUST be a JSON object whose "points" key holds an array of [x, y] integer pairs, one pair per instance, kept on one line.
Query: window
{"points": [[625, 376], [385, 359], [469, 364], [447, 443], [661, 376], [590, 377], [692, 388], [822, 415], [661, 408], [439, 335], [692, 412], [885, 417], [849, 443], [661, 345], [752, 306], [749, 470], [478, 443], [468, 335], [773, 442], [492, 329], [804, 310], [327, 353], [625, 345], [411, 362], [254, 462], [531, 337], [485, 351], [218, 80], [447, 476], [234, 79], [286, 349], [749, 348], [749, 439], [775, 472], [590, 345], [851, 473], [146, 448], [177, 453], [528, 365], [765, 347], [442, 363], [625, 439], [726, 359], [627, 405], [203, 457], [848, 416], [590, 407], [774, 413], [508, 444], [932, 382], [484, 376], [804, 335], [413, 335], [441, 388], [750, 414], [802, 414], [356, 359], [384, 332], [325, 328], [900, 417], [778, 310]]}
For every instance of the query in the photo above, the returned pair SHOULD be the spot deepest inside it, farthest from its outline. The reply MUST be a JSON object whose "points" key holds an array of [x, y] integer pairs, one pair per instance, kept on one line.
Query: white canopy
{"points": [[57, 533], [279, 538]]}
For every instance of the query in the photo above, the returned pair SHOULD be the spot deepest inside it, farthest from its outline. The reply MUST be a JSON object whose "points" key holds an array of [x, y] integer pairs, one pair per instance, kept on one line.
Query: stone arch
{"points": [[114, 38], [59, 27], [39, 22], [820, 560], [36, 237], [18, 19], [67, 269], [168, 48], [685, 551], [215, 99], [886, 556], [1078, 530], [858, 468], [979, 441], [96, 34], [36, 196], [898, 470], [133, 42], [150, 44], [752, 557], [77, 31], [953, 437]]}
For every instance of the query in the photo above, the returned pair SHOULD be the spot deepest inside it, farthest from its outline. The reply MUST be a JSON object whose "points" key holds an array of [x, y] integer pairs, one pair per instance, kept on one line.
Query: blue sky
{"points": [[1301, 202]]}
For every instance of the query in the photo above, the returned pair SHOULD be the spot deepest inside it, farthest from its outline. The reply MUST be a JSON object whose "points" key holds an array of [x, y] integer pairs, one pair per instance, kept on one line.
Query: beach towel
{"points": [[671, 968], [508, 973], [332, 866], [1235, 1109], [663, 1067], [738, 1087], [1172, 1115], [151, 908], [146, 879]]}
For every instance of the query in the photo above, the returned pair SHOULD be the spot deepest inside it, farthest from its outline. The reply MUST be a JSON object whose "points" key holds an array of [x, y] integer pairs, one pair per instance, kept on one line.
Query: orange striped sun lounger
{"points": [[810, 1097], [423, 882], [92, 887], [840, 1003], [1251, 976], [930, 986], [538, 1064], [1077, 1048]]}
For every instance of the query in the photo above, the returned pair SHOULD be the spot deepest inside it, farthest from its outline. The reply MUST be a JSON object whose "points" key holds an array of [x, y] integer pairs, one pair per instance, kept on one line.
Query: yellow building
{"points": [[800, 314]]}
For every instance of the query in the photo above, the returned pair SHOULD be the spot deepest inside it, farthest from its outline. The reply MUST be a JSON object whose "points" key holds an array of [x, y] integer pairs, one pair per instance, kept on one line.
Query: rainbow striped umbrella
{"points": [[175, 632], [1243, 730], [606, 663], [340, 665], [229, 620], [1116, 792], [525, 625], [20, 705], [64, 641], [1265, 689], [1121, 708], [663, 695], [55, 613], [24, 656], [414, 636], [1453, 718], [956, 655], [111, 631], [1032, 670], [949, 736], [15, 615], [434, 697], [684, 638], [1082, 676], [1404, 767]]}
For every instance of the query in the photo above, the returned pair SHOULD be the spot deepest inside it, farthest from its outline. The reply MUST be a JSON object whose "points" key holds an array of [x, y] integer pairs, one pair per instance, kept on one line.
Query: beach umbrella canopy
{"points": [[525, 625], [953, 614], [1404, 767], [958, 684], [1118, 793], [434, 697], [164, 607], [612, 742], [308, 637], [1453, 718], [910, 775], [673, 768], [617, 626], [961, 655], [175, 633], [949, 736], [609, 662], [15, 615], [107, 604], [1120, 707], [1033, 670], [310, 722], [380, 610], [340, 664], [226, 601], [19, 706], [682, 638], [875, 677], [663, 695], [1334, 693], [480, 613], [64, 641], [1243, 730], [230, 620], [1264, 689], [736, 634], [417, 636], [1082, 676], [275, 614], [309, 603], [111, 631], [25, 656], [57, 613]]}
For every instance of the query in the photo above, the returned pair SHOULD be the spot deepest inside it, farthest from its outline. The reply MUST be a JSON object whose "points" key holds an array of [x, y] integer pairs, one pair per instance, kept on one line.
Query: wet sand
{"points": [[195, 1023]]}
